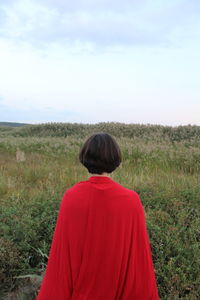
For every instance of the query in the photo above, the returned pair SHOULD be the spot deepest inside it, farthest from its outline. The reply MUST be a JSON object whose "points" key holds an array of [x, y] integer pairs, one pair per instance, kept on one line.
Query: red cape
{"points": [[100, 248]]}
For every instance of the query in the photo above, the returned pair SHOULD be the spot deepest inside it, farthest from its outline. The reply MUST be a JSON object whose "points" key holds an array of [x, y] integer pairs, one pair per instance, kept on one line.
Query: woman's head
{"points": [[100, 154]]}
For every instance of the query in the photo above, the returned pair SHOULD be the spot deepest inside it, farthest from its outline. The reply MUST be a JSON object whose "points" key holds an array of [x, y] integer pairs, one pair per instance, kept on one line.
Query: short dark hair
{"points": [[100, 153]]}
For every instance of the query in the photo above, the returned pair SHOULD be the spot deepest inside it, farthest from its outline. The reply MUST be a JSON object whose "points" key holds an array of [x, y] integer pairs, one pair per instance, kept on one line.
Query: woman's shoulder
{"points": [[127, 190], [78, 186], [130, 195]]}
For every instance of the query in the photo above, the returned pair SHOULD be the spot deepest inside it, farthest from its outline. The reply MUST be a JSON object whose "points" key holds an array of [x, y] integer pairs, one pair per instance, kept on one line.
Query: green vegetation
{"points": [[39, 162]]}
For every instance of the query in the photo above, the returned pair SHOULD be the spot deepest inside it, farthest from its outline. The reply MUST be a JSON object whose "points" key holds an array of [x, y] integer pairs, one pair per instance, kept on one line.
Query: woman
{"points": [[100, 248]]}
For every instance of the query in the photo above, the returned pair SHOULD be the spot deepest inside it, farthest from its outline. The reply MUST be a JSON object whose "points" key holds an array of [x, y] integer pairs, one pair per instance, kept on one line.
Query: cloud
{"points": [[99, 23]]}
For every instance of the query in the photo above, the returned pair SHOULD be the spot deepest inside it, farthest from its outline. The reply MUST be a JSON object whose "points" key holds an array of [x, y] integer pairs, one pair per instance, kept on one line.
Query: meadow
{"points": [[161, 163]]}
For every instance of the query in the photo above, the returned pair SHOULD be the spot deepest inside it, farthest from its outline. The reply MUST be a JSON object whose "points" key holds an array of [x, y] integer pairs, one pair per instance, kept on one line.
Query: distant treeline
{"points": [[147, 132], [12, 124]]}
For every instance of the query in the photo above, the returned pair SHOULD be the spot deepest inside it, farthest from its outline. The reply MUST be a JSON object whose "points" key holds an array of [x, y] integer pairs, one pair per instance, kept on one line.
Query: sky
{"points": [[130, 61]]}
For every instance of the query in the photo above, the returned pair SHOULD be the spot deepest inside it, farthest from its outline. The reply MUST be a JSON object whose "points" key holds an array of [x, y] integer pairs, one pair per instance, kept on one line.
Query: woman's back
{"points": [[100, 248]]}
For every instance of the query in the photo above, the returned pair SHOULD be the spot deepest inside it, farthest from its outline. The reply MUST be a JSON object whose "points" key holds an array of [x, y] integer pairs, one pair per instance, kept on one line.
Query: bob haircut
{"points": [[100, 154]]}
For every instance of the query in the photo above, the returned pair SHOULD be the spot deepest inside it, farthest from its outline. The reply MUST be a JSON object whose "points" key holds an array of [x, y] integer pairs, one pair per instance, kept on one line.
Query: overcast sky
{"points": [[131, 61]]}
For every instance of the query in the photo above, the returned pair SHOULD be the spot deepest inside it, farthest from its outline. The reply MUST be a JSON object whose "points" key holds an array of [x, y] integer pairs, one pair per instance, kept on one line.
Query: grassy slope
{"points": [[165, 173]]}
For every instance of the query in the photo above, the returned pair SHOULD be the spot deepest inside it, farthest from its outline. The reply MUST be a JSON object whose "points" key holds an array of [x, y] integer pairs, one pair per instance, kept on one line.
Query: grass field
{"points": [[38, 163]]}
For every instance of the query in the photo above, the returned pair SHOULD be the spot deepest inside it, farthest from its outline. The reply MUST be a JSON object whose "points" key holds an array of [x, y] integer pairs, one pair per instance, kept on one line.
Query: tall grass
{"points": [[164, 172]]}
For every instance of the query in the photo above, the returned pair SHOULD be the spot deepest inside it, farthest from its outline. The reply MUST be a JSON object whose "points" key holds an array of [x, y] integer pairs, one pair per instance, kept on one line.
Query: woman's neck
{"points": [[103, 174]]}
